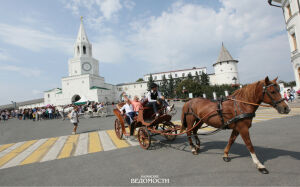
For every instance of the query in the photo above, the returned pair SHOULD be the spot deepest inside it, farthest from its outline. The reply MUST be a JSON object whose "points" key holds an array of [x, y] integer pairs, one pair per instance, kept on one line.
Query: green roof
{"points": [[60, 92], [97, 87]]}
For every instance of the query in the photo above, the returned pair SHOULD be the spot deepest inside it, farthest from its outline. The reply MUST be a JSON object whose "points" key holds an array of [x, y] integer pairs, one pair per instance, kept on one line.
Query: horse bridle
{"points": [[265, 91]]}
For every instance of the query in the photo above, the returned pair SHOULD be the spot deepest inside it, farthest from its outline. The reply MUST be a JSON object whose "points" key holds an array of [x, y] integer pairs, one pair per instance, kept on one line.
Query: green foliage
{"points": [[288, 84], [204, 79], [163, 87], [170, 90], [150, 81], [197, 78], [190, 77], [140, 80]]}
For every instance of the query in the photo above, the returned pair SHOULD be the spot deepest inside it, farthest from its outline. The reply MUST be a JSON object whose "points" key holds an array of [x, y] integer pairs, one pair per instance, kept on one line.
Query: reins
{"points": [[249, 103]]}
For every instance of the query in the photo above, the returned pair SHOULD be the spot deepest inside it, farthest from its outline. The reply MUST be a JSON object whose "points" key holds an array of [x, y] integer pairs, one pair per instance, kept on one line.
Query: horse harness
{"points": [[220, 113], [225, 125]]}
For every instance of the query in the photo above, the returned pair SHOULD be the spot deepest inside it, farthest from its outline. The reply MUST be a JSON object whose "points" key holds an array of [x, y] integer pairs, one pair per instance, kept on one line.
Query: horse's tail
{"points": [[183, 119]]}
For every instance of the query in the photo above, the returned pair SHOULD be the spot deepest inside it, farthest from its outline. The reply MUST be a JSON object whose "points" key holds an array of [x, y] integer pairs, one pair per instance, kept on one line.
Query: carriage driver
{"points": [[154, 96], [129, 113]]}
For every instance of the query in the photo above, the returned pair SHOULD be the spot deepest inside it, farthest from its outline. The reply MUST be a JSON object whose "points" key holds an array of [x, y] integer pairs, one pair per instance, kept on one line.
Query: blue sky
{"points": [[136, 37]]}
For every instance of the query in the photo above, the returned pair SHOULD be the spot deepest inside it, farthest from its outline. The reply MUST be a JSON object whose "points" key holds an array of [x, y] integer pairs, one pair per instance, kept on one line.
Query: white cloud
{"points": [[191, 35], [33, 39], [28, 72], [36, 92], [109, 49], [98, 11], [4, 56]]}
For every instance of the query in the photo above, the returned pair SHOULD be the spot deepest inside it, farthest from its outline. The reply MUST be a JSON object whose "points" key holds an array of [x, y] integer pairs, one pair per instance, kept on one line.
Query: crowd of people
{"points": [[289, 95], [48, 112]]}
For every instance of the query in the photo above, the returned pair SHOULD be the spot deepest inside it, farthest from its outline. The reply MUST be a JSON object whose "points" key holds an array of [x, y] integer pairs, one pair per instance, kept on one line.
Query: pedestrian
{"points": [[50, 112], [74, 118], [3, 115], [285, 96], [292, 94]]}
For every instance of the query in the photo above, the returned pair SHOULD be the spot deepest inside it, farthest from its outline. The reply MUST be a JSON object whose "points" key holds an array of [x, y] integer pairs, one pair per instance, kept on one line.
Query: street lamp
{"points": [[184, 91], [14, 104]]}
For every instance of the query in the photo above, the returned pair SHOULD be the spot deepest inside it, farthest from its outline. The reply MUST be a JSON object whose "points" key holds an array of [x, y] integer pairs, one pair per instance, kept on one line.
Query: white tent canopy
{"points": [[82, 100]]}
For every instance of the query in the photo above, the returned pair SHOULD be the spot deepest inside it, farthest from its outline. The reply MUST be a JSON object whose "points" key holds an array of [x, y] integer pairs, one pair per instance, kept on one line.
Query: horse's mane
{"points": [[246, 91]]}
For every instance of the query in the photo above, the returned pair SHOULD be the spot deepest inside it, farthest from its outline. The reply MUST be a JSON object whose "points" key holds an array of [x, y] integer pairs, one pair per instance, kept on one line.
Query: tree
{"points": [[197, 77], [171, 87], [140, 80], [150, 82], [190, 77], [185, 87], [163, 87], [204, 78]]}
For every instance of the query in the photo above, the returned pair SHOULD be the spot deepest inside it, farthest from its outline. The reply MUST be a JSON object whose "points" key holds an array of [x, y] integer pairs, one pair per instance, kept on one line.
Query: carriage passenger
{"points": [[129, 113], [137, 105]]}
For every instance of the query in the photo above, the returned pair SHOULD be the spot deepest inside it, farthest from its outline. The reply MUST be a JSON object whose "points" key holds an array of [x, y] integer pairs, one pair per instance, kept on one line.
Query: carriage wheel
{"points": [[144, 138], [170, 127], [118, 129]]}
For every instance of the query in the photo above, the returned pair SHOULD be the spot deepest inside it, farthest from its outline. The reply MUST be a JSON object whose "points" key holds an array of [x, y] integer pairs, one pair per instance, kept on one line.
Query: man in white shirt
{"points": [[129, 113]]}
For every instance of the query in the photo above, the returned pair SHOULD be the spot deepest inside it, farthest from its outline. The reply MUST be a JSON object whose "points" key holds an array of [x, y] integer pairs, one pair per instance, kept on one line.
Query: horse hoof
{"points": [[263, 170], [227, 159]]}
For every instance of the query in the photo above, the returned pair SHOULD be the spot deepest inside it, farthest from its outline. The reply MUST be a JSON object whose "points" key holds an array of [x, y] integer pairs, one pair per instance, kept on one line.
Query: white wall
{"points": [[176, 74]]}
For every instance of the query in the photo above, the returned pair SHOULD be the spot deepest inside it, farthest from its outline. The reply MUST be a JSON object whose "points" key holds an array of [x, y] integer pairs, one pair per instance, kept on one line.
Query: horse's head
{"points": [[271, 95]]}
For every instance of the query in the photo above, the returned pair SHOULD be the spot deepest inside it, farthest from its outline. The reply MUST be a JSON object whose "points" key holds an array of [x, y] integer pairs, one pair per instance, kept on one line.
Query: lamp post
{"points": [[14, 104], [184, 91]]}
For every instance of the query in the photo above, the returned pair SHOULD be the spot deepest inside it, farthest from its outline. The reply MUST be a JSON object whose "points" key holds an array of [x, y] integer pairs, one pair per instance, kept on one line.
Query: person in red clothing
{"points": [[136, 104]]}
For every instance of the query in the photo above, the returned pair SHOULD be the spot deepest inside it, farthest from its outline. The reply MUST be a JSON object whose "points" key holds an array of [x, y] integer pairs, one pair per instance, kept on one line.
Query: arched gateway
{"points": [[75, 98]]}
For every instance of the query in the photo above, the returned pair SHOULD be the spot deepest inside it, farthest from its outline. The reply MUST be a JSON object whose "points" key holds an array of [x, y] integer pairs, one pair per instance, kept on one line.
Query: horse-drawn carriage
{"points": [[101, 112], [148, 125]]}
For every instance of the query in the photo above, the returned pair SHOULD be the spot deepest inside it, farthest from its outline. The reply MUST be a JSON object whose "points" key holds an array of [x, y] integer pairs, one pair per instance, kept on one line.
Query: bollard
{"points": [[226, 93], [215, 95]]}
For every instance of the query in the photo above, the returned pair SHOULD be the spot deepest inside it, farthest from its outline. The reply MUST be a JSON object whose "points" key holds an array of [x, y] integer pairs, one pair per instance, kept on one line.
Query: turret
{"points": [[226, 68]]}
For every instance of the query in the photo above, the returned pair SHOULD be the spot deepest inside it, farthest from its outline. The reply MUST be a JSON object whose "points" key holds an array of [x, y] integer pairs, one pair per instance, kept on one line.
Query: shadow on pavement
{"points": [[237, 150]]}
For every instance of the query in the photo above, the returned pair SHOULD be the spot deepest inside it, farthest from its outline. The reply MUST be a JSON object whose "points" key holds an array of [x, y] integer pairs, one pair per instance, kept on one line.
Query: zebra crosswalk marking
{"points": [[40, 152], [55, 149], [119, 143], [4, 152], [82, 145], [69, 146], [20, 157], [5, 146], [106, 141], [94, 143], [14, 152]]}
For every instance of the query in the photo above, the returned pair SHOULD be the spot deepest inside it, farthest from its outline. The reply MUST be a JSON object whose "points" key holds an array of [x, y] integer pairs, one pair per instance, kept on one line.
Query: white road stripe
{"points": [[18, 159], [82, 145], [55, 149], [133, 142], [5, 151], [106, 142]]}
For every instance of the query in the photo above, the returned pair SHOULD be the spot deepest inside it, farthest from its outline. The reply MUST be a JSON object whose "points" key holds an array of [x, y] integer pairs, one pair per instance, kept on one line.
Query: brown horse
{"points": [[236, 113]]}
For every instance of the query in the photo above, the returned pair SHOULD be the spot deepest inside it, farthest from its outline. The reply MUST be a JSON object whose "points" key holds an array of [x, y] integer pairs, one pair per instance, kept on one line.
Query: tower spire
{"points": [[224, 55], [81, 36]]}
